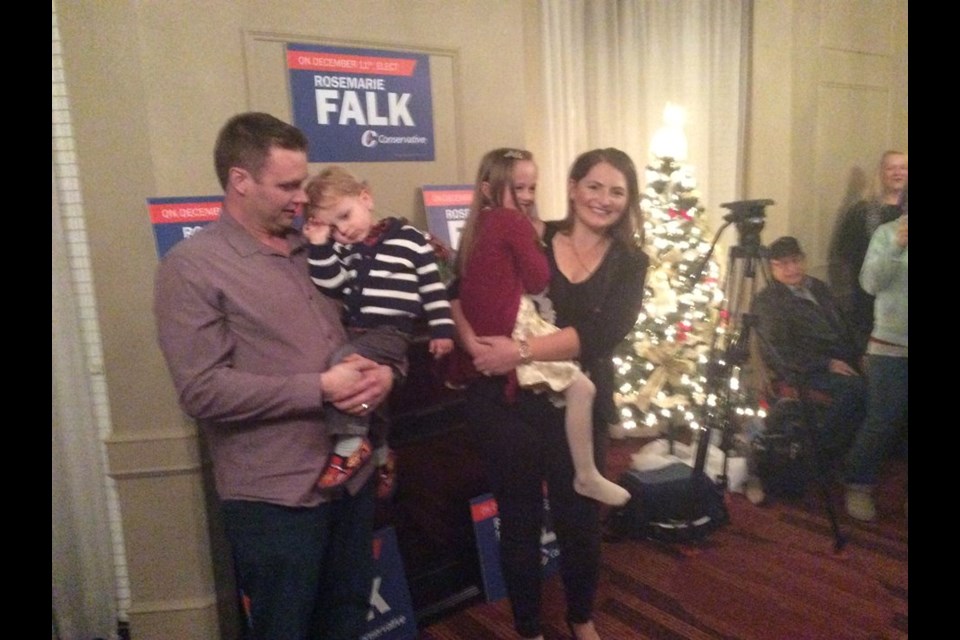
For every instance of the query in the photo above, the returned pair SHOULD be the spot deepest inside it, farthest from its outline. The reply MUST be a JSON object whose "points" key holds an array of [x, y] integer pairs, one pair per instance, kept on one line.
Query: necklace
{"points": [[592, 256]]}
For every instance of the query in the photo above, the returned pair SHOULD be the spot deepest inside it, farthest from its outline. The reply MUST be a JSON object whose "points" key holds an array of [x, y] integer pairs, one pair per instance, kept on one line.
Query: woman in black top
{"points": [[596, 287]]}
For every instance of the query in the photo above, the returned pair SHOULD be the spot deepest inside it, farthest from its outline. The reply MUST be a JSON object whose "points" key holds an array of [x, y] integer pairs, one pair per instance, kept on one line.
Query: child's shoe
{"points": [[387, 477], [340, 468]]}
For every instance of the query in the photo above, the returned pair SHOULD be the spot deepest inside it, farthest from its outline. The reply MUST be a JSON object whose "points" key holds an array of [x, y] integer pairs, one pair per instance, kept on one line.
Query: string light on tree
{"points": [[661, 364]]}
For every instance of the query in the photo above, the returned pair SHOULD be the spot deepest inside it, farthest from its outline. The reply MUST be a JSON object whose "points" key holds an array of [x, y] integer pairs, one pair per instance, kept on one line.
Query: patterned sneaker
{"points": [[387, 477], [339, 469]]}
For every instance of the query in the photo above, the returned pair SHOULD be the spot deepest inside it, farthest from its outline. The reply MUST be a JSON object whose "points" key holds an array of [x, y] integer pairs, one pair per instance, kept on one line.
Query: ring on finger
{"points": [[364, 406]]}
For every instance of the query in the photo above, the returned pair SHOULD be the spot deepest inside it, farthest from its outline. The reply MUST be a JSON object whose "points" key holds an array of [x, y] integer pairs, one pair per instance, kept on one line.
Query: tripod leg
{"points": [[818, 463]]}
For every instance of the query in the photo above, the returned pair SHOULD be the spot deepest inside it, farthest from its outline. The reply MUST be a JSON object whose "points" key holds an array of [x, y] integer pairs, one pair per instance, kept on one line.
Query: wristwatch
{"points": [[526, 355]]}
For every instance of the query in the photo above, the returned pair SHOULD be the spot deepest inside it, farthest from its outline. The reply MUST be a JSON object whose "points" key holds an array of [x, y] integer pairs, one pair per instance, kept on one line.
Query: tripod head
{"points": [[748, 216]]}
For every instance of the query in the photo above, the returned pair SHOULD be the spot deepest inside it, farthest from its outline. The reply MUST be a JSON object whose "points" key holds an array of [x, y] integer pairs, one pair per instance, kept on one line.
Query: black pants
{"points": [[524, 444]]}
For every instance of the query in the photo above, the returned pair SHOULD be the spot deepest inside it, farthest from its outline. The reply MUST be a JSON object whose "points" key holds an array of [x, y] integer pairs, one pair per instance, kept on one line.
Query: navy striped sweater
{"points": [[391, 282]]}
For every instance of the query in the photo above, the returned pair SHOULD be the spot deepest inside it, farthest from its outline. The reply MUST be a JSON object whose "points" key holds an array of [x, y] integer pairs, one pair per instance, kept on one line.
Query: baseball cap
{"points": [[784, 247]]}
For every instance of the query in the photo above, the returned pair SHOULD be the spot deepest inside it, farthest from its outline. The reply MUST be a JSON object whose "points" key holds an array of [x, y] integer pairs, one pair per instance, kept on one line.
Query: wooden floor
{"points": [[772, 573]]}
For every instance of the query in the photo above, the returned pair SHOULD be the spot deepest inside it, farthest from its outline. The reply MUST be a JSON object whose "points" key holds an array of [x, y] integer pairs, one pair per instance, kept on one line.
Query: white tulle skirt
{"points": [[554, 374]]}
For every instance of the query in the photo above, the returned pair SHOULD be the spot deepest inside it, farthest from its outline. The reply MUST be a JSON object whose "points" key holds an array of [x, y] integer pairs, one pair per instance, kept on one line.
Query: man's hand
{"points": [[341, 380], [370, 386], [841, 367]]}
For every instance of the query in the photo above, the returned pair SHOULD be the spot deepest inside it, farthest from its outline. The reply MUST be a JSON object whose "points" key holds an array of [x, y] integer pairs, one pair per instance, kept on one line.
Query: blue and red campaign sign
{"points": [[447, 208], [391, 614], [174, 219], [486, 526], [362, 105]]}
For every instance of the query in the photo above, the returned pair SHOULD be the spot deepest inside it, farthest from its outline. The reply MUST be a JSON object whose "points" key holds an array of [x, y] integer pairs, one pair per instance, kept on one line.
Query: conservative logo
{"points": [[369, 138]]}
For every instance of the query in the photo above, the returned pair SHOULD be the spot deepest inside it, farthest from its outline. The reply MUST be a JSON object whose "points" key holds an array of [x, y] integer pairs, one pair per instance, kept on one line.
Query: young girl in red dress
{"points": [[502, 274]]}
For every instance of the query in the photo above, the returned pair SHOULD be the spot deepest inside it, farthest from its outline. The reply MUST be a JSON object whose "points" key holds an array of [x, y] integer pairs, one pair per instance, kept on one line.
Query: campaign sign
{"points": [[486, 527], [362, 105], [174, 219], [447, 208], [391, 608]]}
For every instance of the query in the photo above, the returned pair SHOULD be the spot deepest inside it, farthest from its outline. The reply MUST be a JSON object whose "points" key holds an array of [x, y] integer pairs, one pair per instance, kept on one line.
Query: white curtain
{"points": [[88, 568], [611, 67], [83, 583]]}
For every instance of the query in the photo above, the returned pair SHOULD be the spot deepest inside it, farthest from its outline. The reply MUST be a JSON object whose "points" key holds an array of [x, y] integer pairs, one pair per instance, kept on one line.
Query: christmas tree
{"points": [[661, 366]]}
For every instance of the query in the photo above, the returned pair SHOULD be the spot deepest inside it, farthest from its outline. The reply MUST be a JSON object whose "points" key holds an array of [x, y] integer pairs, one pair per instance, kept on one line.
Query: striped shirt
{"points": [[393, 281]]}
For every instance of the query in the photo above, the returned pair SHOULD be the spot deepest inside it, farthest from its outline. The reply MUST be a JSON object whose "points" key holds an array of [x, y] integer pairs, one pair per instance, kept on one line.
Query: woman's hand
{"points": [[495, 355], [902, 232], [498, 355]]}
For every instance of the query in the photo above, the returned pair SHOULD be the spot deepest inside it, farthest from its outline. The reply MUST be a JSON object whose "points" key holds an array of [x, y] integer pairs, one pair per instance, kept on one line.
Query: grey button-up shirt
{"points": [[246, 335]]}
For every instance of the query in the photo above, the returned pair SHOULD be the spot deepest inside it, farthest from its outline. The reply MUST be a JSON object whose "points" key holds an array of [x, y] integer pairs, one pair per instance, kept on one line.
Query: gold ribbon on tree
{"points": [[669, 367]]}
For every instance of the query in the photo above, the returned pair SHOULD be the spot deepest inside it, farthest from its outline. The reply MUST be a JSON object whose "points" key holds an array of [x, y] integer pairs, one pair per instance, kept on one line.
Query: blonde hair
{"points": [[494, 177], [332, 183], [876, 191]]}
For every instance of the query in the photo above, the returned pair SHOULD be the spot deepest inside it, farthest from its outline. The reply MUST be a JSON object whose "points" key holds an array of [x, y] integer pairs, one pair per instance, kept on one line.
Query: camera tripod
{"points": [[731, 348], [808, 428]]}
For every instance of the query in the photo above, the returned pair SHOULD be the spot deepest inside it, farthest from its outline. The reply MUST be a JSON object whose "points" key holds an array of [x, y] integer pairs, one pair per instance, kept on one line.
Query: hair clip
{"points": [[514, 154]]}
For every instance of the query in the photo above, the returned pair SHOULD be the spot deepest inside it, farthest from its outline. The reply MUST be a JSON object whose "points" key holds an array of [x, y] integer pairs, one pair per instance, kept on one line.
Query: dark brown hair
{"points": [[246, 139], [632, 219]]}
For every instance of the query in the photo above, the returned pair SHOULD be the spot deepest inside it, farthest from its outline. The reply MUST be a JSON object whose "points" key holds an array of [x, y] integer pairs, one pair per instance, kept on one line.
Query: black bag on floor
{"points": [[781, 452], [675, 503]]}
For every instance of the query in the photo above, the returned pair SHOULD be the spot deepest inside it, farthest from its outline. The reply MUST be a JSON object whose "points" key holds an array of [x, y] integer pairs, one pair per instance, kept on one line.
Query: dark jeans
{"points": [[839, 422], [308, 572], [887, 407], [523, 445]]}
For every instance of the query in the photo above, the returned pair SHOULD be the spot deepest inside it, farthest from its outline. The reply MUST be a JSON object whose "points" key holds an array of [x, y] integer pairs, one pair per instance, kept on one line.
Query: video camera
{"points": [[748, 216]]}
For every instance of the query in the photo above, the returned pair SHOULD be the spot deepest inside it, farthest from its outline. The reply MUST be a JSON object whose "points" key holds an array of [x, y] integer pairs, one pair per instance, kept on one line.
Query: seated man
{"points": [[807, 343]]}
